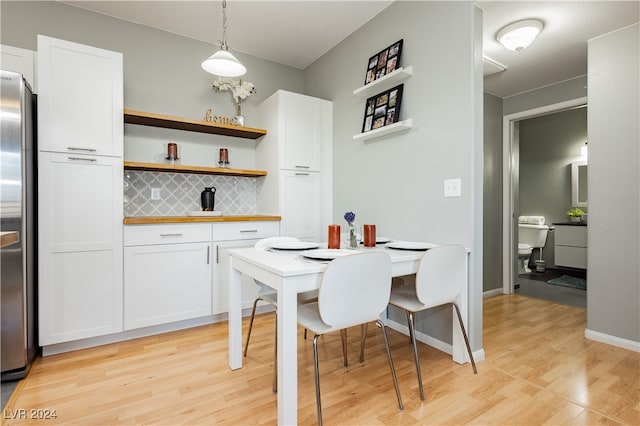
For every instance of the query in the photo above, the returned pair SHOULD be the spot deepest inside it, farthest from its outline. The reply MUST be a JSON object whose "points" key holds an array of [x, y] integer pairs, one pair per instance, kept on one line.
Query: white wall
{"points": [[613, 293], [396, 182]]}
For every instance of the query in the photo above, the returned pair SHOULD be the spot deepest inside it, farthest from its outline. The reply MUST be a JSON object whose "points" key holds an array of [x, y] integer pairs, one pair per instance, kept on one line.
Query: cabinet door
{"points": [[304, 127], [80, 98], [79, 246], [80, 295], [166, 283], [301, 197], [221, 280]]}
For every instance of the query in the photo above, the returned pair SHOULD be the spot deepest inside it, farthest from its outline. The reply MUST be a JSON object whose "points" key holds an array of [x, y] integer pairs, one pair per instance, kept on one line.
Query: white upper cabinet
{"points": [[303, 127], [80, 98]]}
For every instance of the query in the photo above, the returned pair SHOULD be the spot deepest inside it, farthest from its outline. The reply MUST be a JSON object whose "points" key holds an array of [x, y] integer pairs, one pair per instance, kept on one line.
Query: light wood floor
{"points": [[539, 369]]}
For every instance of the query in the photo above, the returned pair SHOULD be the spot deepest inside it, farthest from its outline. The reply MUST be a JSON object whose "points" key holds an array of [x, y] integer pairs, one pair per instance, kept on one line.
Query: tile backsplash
{"points": [[180, 193]]}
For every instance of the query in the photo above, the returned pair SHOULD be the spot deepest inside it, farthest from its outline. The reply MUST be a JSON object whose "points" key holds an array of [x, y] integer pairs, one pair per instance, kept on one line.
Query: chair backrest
{"points": [[441, 275], [266, 242], [355, 289]]}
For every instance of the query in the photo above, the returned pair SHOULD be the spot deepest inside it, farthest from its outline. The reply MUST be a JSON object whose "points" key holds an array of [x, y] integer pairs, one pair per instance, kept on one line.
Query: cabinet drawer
{"points": [[573, 257], [575, 236], [245, 230], [138, 235]]}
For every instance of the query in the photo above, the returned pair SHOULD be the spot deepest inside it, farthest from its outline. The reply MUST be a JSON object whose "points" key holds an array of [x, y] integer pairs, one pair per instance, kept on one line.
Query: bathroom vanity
{"points": [[571, 245]]}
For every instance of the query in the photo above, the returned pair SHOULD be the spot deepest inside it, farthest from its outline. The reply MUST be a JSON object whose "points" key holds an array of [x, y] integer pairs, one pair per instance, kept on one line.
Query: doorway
{"points": [[511, 183]]}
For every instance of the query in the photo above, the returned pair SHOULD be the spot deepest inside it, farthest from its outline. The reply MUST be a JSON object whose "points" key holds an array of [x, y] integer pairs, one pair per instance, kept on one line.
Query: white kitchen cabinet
{"points": [[296, 153], [167, 273], [80, 98], [80, 170], [80, 246], [228, 236], [571, 246]]}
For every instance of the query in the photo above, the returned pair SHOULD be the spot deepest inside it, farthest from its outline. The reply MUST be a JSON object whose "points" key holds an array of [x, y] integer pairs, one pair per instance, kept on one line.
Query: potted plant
{"points": [[575, 215]]}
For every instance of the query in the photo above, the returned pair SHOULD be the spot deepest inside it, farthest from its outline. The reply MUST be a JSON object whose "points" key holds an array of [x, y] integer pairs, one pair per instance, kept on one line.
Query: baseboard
{"points": [[491, 293], [431, 341], [143, 332], [612, 340]]}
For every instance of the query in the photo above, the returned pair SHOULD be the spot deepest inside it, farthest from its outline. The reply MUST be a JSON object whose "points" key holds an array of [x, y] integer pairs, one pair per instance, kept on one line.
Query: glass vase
{"points": [[239, 118], [352, 241]]}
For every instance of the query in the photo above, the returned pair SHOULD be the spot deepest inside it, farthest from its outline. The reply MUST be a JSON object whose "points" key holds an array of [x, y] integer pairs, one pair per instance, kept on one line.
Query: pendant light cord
{"points": [[223, 43]]}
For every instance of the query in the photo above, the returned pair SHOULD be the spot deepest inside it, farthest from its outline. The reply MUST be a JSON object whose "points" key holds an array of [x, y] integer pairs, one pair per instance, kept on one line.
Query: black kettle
{"points": [[208, 199]]}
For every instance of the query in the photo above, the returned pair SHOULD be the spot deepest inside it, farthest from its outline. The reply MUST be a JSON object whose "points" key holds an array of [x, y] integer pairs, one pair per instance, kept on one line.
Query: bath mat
{"points": [[568, 281]]}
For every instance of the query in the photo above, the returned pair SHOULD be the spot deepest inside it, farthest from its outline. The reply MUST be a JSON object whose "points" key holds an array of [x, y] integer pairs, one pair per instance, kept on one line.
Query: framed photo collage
{"points": [[384, 108]]}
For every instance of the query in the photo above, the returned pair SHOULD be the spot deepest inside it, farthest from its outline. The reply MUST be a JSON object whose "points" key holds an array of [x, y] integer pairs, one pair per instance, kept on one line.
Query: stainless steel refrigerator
{"points": [[17, 213]]}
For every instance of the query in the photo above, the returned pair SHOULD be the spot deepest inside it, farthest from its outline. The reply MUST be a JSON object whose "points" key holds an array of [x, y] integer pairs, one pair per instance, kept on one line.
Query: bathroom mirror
{"points": [[579, 188]]}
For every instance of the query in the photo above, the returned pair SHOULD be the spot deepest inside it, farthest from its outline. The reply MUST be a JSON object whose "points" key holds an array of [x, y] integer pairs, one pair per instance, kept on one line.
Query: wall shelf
{"points": [[400, 126], [384, 83], [178, 168], [201, 126]]}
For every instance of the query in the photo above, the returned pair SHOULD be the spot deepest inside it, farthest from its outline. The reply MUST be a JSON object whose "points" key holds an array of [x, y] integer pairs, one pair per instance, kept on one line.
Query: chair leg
{"points": [[317, 377], [410, 329], [253, 314], [466, 339], [343, 338], [412, 333], [274, 385], [393, 369], [305, 334], [363, 338]]}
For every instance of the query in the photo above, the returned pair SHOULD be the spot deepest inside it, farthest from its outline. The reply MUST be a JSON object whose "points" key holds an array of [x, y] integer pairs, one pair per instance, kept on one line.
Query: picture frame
{"points": [[384, 62], [382, 109]]}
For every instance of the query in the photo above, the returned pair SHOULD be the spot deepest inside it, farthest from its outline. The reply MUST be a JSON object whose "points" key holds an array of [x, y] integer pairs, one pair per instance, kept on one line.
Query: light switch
{"points": [[453, 187]]}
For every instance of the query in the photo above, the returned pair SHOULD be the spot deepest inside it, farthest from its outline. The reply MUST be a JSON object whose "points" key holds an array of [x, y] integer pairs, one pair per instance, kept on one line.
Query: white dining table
{"points": [[289, 274]]}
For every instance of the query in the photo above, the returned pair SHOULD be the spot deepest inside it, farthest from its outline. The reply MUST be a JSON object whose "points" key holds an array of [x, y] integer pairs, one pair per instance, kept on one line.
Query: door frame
{"points": [[510, 179]]}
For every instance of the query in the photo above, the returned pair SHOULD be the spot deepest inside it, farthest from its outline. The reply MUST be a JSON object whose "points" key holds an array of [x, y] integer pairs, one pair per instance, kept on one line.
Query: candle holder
{"points": [[224, 157], [172, 153]]}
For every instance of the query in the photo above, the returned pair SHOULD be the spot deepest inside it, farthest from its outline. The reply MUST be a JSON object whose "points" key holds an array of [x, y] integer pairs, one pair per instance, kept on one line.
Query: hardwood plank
{"points": [[539, 370]]}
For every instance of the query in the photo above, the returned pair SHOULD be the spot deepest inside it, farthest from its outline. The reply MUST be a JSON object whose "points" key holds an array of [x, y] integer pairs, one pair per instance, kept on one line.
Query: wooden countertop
{"points": [[140, 220], [9, 237]]}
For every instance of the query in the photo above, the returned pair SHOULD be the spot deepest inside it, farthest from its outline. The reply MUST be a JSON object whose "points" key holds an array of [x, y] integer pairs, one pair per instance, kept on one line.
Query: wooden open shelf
{"points": [[201, 126], [178, 168]]}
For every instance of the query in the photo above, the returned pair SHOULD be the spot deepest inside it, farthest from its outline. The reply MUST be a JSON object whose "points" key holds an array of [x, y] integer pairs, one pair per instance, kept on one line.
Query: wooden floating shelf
{"points": [[384, 83], [178, 168], [400, 126], [201, 126]]}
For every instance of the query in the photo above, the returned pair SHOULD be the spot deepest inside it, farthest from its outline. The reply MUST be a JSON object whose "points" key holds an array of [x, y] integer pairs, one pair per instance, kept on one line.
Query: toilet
{"points": [[532, 233]]}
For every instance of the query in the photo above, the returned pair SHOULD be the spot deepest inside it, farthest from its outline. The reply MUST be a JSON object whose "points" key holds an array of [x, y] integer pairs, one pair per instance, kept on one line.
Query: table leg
{"points": [[287, 354], [235, 318]]}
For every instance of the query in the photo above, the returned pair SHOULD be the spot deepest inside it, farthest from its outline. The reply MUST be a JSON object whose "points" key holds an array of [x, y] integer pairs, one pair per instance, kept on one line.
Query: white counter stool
{"points": [[354, 290], [439, 281]]}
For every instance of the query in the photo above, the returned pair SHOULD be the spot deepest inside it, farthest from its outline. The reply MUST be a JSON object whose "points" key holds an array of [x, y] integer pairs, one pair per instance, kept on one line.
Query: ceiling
{"points": [[297, 32]]}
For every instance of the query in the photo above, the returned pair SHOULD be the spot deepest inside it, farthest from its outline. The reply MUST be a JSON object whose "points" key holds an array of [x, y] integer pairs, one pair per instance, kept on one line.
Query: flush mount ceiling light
{"points": [[223, 63], [518, 35]]}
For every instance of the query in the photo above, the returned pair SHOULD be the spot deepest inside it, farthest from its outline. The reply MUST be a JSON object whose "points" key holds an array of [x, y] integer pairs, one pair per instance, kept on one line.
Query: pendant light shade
{"points": [[223, 63]]}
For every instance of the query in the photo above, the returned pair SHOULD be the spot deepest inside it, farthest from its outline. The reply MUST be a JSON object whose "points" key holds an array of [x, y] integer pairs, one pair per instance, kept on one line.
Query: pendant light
{"points": [[223, 63]]}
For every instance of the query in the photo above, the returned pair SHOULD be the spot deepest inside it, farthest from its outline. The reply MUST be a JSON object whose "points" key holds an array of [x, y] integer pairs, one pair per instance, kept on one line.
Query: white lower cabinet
{"points": [[301, 198], [228, 236], [167, 273]]}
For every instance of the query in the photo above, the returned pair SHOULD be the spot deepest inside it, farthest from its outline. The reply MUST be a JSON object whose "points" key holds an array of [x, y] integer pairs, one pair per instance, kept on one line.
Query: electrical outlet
{"points": [[452, 187], [155, 193]]}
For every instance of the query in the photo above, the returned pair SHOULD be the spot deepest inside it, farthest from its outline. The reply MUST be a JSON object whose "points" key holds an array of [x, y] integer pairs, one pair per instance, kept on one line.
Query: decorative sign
{"points": [[219, 119], [384, 62], [382, 109]]}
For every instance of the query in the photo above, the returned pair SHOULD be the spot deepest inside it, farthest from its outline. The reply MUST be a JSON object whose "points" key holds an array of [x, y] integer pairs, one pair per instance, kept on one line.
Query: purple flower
{"points": [[350, 217]]}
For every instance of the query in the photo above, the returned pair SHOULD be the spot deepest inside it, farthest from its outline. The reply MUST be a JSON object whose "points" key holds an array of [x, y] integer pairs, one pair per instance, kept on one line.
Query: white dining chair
{"points": [[354, 290], [440, 279]]}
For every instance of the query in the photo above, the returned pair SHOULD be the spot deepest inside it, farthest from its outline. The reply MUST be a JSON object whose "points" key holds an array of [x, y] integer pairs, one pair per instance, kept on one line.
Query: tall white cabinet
{"points": [[80, 169], [297, 156]]}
